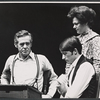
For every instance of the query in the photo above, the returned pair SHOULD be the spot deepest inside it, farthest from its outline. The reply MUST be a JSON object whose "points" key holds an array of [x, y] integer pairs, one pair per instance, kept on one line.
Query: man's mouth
{"points": [[66, 61], [25, 51]]}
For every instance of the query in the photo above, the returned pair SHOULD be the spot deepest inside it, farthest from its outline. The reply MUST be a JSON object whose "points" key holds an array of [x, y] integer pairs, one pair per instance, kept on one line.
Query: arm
{"points": [[5, 76], [81, 81], [96, 53], [62, 84], [53, 77]]}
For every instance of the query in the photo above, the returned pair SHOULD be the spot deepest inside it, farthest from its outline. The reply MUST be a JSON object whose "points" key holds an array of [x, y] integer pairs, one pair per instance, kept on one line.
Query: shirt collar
{"points": [[31, 55], [76, 60], [86, 37]]}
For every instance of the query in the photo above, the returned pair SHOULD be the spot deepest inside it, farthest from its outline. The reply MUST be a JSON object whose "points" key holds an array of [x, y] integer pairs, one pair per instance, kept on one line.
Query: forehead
{"points": [[65, 52], [75, 20], [24, 39]]}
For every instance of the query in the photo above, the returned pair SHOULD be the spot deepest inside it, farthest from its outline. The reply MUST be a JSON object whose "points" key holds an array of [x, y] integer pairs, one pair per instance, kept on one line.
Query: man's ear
{"points": [[75, 51], [15, 45], [31, 44]]}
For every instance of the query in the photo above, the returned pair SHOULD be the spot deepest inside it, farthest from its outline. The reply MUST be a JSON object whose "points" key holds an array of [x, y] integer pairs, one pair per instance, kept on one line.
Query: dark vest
{"points": [[91, 90]]}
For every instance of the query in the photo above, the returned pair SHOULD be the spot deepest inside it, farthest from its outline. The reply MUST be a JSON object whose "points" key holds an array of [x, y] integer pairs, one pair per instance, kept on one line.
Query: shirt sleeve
{"points": [[5, 76], [53, 77], [81, 81]]}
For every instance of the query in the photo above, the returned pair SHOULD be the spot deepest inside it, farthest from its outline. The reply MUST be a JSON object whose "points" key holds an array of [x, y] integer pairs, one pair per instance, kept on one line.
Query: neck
{"points": [[23, 57], [77, 55], [86, 31]]}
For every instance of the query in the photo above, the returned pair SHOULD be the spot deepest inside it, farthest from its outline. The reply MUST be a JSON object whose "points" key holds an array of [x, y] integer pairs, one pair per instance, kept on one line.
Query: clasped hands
{"points": [[62, 84]]}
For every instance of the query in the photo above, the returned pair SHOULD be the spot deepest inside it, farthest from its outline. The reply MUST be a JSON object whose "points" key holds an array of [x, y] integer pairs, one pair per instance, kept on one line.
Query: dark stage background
{"points": [[47, 22]]}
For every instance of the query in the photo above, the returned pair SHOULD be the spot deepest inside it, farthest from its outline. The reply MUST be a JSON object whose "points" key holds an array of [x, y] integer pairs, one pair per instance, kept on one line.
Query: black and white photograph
{"points": [[49, 50]]}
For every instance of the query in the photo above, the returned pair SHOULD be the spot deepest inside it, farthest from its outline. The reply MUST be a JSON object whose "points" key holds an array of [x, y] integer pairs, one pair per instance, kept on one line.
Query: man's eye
{"points": [[27, 43], [76, 23], [22, 44], [64, 53]]}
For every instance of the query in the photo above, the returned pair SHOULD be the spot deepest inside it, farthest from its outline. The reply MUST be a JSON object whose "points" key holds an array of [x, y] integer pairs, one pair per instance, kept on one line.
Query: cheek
{"points": [[30, 46], [71, 58], [19, 47], [68, 57], [80, 28]]}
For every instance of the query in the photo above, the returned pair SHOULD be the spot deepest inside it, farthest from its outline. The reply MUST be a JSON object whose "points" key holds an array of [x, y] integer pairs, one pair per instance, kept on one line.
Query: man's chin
{"points": [[25, 54], [68, 62], [78, 32]]}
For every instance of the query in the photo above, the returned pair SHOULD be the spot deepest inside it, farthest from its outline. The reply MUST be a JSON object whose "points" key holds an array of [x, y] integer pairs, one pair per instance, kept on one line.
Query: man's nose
{"points": [[63, 56], [25, 46], [74, 26]]}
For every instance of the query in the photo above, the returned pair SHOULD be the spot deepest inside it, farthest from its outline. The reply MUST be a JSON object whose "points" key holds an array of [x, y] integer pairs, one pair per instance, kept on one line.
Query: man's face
{"points": [[80, 28], [68, 56], [24, 45]]}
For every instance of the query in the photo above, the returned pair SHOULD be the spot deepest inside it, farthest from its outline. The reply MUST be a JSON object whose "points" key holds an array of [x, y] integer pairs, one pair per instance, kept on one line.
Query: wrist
{"points": [[49, 95]]}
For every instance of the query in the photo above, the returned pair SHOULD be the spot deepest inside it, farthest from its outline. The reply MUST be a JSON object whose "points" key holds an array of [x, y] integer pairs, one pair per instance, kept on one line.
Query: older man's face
{"points": [[24, 45]]}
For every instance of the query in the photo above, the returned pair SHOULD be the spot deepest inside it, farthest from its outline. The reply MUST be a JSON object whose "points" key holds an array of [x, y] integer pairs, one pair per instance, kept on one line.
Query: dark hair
{"points": [[21, 34], [83, 13], [70, 44]]}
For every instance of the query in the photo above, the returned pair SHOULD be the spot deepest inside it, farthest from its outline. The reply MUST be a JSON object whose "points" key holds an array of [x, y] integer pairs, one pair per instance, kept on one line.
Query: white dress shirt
{"points": [[81, 81]]}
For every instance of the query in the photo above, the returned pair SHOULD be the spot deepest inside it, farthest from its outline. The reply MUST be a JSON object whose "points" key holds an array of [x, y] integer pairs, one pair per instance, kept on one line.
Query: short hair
{"points": [[83, 13], [22, 33], [70, 43]]}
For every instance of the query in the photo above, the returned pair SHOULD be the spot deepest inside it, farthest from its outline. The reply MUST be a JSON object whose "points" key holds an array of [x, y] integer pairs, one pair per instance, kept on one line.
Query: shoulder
{"points": [[96, 40], [11, 57], [87, 65], [85, 62], [86, 69], [95, 35], [40, 56]]}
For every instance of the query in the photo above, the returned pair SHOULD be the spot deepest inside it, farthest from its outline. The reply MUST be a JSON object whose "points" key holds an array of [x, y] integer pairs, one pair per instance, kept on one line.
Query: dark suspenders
{"points": [[13, 63], [38, 69]]}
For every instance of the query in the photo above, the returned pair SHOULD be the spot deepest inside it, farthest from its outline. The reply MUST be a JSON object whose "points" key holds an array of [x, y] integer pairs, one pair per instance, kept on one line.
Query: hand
{"points": [[46, 96], [62, 89], [4, 81], [62, 79]]}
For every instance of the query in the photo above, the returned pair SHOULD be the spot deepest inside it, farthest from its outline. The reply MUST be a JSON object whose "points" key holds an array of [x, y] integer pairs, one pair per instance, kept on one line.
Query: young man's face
{"points": [[68, 56], [24, 45], [80, 28]]}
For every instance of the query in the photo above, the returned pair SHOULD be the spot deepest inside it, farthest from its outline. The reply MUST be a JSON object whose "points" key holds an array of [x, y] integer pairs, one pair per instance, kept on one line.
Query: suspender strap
{"points": [[38, 69], [13, 63]]}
